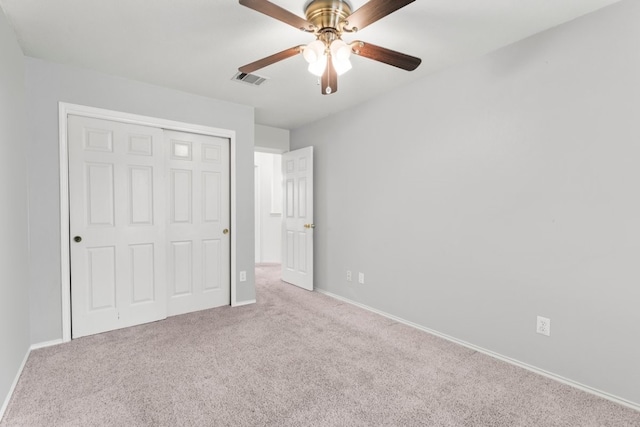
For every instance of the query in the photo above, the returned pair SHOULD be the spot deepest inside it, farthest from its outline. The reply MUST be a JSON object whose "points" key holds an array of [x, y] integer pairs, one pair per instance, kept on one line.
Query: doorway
{"points": [[284, 214], [268, 207]]}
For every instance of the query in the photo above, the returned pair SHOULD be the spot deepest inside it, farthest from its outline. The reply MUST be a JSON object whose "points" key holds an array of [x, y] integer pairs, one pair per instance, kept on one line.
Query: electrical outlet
{"points": [[361, 278], [349, 278], [543, 326], [243, 276]]}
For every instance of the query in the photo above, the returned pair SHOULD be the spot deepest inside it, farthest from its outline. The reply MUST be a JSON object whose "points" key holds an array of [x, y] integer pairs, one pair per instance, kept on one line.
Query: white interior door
{"points": [[198, 222], [117, 225], [297, 218]]}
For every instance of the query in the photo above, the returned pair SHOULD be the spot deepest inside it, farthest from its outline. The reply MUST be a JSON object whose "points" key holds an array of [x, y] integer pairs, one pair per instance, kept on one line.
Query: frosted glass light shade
{"points": [[317, 68], [313, 51], [340, 51], [341, 66]]}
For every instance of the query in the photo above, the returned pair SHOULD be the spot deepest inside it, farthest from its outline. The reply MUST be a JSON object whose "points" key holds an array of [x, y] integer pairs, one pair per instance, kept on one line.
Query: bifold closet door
{"points": [[198, 229], [117, 224]]}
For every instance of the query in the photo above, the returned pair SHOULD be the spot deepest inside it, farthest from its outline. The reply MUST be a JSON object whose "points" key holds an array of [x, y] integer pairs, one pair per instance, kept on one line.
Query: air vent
{"points": [[250, 79]]}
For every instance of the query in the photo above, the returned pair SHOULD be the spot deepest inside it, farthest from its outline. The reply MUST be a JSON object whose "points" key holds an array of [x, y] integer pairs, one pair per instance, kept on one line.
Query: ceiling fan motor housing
{"points": [[327, 14]]}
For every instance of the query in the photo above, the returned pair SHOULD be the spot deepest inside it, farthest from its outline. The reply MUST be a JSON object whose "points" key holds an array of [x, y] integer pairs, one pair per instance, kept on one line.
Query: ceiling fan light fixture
{"points": [[317, 68], [314, 51], [328, 55]]}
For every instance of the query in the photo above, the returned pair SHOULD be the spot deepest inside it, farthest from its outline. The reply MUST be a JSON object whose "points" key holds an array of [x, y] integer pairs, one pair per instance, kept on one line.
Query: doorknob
{"points": [[309, 226], [225, 231], [77, 239]]}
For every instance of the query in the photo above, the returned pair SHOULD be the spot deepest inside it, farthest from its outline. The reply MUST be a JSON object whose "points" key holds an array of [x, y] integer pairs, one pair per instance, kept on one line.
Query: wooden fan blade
{"points": [[276, 12], [388, 56], [329, 79], [276, 57], [373, 11]]}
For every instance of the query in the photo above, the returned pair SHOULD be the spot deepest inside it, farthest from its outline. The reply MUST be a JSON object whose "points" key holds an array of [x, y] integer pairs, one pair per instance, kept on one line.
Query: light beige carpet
{"points": [[296, 358]]}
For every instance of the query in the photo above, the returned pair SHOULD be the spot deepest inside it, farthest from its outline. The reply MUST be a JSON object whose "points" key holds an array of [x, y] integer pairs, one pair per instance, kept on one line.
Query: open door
{"points": [[297, 218]]}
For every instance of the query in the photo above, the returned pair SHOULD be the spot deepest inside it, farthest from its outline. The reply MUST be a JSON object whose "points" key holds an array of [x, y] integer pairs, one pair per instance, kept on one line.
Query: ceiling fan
{"points": [[328, 55]]}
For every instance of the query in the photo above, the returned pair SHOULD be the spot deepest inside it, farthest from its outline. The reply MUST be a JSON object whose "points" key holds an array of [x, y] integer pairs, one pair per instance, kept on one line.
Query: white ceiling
{"points": [[197, 45]]}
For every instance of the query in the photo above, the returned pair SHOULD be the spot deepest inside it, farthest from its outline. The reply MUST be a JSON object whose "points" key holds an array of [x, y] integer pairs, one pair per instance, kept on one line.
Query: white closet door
{"points": [[198, 251], [117, 224]]}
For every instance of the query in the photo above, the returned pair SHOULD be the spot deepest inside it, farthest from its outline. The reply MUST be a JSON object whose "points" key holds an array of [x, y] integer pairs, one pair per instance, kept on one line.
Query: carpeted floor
{"points": [[296, 358]]}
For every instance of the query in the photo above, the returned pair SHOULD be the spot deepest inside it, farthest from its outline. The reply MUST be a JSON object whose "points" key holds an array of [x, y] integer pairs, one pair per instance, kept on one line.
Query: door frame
{"points": [[66, 109]]}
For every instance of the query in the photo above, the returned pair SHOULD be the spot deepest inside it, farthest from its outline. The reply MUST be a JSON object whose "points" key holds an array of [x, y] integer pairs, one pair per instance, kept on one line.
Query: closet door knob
{"points": [[77, 239], [225, 231]]}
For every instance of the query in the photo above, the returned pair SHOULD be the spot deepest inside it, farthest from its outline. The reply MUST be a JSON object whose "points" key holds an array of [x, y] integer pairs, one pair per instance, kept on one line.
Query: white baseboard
{"points": [[13, 385], [493, 354], [241, 303], [46, 344], [5, 404]]}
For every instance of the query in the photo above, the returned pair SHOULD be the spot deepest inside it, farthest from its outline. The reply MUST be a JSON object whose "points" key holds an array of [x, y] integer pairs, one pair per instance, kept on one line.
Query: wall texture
{"points": [[47, 84], [480, 197], [14, 290]]}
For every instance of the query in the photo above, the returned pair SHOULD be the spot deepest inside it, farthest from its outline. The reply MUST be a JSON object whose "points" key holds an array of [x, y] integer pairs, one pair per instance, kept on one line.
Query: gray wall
{"points": [[14, 291], [480, 197], [49, 83], [272, 140]]}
